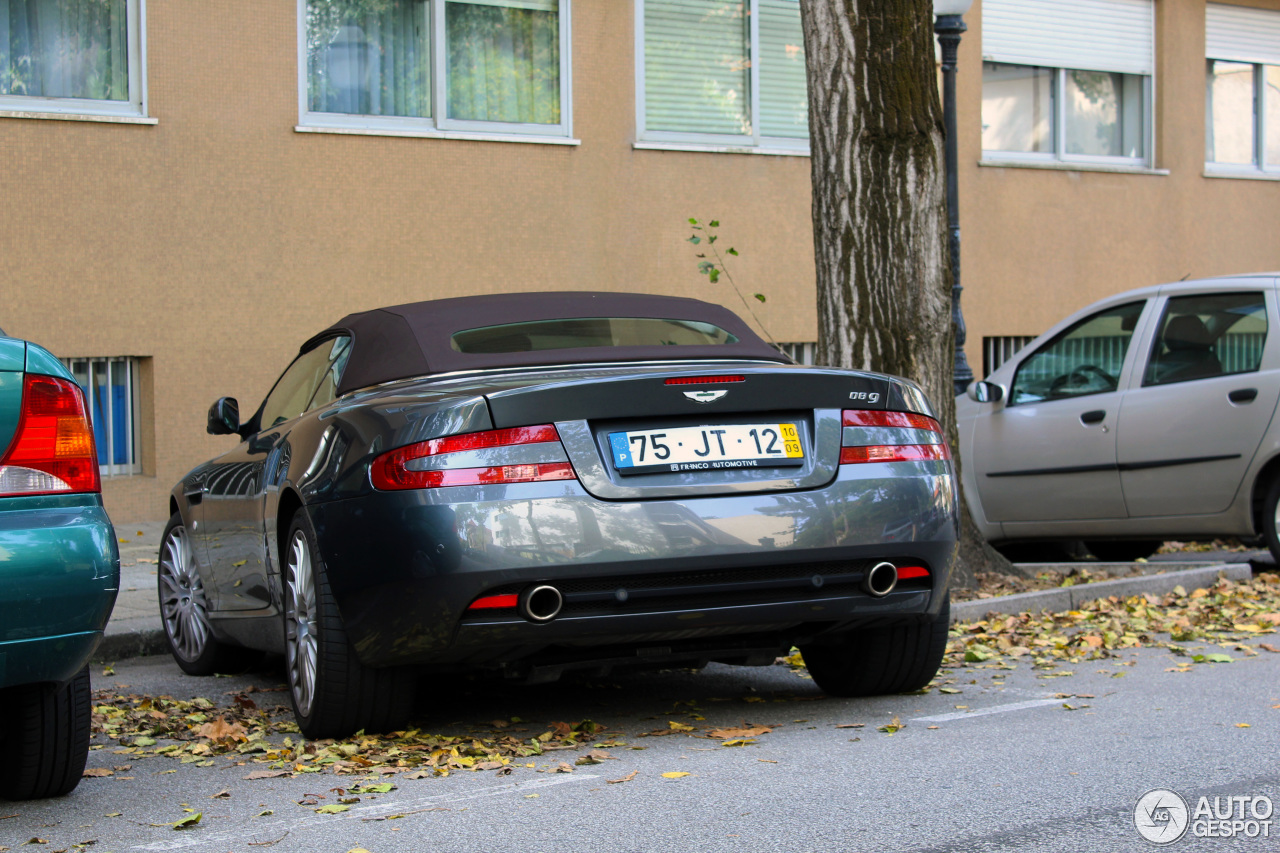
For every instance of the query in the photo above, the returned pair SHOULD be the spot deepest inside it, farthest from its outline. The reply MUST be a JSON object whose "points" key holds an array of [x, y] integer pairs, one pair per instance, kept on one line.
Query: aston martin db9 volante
{"points": [[1149, 415], [540, 482]]}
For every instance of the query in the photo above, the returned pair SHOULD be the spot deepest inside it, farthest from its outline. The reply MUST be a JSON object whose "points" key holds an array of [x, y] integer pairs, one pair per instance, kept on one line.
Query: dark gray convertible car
{"points": [[540, 482]]}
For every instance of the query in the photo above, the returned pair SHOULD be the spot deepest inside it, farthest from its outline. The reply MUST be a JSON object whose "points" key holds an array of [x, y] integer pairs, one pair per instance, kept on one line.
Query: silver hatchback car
{"points": [[1148, 415]]}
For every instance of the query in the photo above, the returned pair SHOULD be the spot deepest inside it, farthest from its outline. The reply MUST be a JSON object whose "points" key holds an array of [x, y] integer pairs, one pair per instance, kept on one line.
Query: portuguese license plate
{"points": [[706, 448]]}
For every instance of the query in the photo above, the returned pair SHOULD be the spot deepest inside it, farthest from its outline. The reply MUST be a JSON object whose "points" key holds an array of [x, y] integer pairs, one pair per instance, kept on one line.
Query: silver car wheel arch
{"points": [[301, 642], [183, 606]]}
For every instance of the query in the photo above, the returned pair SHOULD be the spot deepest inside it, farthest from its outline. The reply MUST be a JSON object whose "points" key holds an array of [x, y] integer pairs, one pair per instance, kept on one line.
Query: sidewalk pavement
{"points": [[135, 629]]}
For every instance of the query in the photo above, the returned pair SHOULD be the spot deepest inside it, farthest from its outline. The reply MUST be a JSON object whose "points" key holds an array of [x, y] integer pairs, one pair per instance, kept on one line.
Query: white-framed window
{"points": [[1068, 81], [1242, 91], [721, 74], [72, 57], [999, 349], [802, 352], [436, 67], [111, 388]]}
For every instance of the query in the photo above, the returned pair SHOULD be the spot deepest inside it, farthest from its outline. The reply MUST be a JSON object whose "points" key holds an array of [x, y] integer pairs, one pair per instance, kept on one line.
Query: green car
{"points": [[59, 572]]}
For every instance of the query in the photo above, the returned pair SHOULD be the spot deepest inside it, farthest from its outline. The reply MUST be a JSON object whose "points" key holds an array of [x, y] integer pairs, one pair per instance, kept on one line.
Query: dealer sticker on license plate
{"points": [[704, 448]]}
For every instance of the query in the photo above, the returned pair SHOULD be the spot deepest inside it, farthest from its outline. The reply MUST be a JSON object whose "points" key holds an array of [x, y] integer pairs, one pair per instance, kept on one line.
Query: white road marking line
{"points": [[275, 828], [982, 712]]}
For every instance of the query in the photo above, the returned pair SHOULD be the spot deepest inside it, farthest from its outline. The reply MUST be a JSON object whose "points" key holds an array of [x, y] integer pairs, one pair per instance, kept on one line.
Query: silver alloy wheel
{"points": [[1275, 522], [300, 624], [182, 603]]}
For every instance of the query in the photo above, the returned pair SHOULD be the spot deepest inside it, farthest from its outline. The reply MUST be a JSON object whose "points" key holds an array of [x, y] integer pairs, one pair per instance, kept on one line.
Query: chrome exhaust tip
{"points": [[541, 603], [880, 580]]}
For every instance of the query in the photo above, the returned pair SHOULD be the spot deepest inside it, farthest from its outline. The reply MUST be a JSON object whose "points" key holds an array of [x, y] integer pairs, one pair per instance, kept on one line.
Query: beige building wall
{"points": [[215, 241]]}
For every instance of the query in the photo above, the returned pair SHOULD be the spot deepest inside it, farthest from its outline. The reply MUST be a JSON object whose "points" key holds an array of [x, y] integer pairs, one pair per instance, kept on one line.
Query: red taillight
{"points": [[907, 573], [495, 602], [390, 471], [703, 380], [52, 450], [893, 452], [911, 420]]}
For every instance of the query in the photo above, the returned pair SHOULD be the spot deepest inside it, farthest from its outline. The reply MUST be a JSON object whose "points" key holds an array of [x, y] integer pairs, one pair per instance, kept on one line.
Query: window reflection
{"points": [[1230, 106], [1017, 103], [1103, 114], [1271, 88]]}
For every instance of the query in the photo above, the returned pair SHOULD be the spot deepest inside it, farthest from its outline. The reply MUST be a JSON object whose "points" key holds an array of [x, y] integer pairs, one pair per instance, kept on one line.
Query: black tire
{"points": [[184, 610], [881, 661], [47, 738], [1123, 550], [1270, 526], [345, 695]]}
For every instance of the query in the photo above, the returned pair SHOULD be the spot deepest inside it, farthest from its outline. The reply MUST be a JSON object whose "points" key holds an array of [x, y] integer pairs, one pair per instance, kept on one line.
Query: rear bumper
{"points": [[54, 659], [59, 577], [779, 566]]}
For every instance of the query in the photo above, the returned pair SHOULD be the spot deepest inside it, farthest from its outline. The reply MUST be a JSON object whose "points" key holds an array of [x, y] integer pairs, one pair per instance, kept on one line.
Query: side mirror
{"points": [[986, 392], [224, 417]]}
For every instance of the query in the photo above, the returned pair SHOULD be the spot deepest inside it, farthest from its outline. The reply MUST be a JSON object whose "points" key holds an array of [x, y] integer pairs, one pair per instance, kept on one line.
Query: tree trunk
{"points": [[879, 206]]}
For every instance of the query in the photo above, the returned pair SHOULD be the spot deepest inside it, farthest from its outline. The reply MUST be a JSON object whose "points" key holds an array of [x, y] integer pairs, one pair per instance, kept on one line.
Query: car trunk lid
{"points": [[720, 427]]}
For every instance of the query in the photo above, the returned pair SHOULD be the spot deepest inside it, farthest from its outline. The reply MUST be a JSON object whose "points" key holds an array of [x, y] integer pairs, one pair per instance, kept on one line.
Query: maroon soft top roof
{"points": [[404, 341]]}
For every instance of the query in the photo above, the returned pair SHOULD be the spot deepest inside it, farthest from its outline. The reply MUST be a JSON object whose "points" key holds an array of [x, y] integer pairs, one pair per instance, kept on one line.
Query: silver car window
{"points": [[339, 353], [1084, 359], [1207, 335], [296, 386]]}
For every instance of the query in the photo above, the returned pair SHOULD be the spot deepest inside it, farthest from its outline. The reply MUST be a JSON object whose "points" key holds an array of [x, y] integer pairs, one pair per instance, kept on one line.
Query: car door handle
{"points": [[1243, 395], [1094, 417]]}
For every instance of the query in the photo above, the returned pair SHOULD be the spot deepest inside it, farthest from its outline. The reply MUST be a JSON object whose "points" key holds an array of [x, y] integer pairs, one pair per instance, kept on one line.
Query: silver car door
{"points": [[1050, 453], [1188, 431]]}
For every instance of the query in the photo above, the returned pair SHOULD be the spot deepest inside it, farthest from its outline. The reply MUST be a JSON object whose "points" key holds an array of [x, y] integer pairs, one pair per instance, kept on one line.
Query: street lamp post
{"points": [[949, 25]]}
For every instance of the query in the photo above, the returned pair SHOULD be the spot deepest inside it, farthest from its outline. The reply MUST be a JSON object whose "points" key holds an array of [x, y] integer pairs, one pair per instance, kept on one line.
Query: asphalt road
{"points": [[1002, 765]]}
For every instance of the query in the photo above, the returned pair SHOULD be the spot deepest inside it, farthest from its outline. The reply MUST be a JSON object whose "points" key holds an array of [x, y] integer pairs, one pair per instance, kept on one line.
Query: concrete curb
{"points": [[123, 644], [1072, 597]]}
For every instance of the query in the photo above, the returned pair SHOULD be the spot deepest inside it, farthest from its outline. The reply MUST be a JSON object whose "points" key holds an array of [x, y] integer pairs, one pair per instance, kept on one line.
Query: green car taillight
{"points": [[52, 452]]}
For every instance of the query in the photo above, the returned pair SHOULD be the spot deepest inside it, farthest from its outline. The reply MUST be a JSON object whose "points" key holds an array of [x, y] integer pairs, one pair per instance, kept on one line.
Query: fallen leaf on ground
{"points": [[850, 725], [332, 808], [268, 774], [188, 821], [740, 732], [892, 727], [738, 742], [220, 729], [674, 775], [595, 756], [626, 778], [97, 771]]}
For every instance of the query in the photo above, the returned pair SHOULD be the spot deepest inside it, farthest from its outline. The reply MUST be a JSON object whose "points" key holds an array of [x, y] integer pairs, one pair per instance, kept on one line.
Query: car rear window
{"points": [[539, 335]]}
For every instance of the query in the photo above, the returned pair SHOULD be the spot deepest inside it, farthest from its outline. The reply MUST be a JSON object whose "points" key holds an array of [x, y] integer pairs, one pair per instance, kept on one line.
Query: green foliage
{"points": [[713, 269]]}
